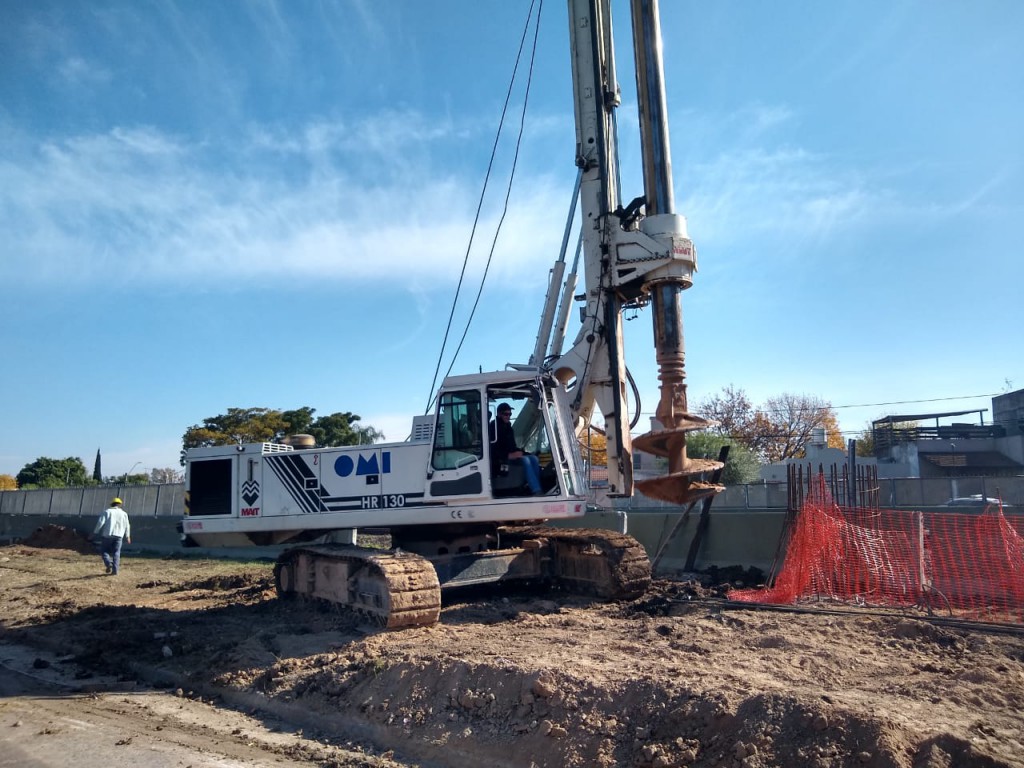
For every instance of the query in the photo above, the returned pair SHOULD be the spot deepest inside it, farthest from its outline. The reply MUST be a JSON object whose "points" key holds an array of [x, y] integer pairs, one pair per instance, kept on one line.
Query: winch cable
{"points": [[483, 192], [504, 210]]}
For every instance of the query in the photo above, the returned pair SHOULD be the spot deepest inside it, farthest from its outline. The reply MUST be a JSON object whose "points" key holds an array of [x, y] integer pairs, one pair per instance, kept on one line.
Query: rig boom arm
{"points": [[630, 259]]}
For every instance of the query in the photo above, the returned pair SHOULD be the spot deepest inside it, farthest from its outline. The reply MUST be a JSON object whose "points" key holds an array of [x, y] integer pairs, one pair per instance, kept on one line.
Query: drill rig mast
{"points": [[631, 258]]}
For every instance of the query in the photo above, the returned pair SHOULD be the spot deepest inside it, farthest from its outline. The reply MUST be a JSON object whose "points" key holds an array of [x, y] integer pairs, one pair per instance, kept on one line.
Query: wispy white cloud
{"points": [[784, 192], [370, 25], [385, 136], [980, 196], [759, 119], [141, 203], [75, 71], [759, 184]]}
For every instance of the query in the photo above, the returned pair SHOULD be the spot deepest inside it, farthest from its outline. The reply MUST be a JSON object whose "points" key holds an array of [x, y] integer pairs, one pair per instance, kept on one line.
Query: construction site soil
{"points": [[679, 677]]}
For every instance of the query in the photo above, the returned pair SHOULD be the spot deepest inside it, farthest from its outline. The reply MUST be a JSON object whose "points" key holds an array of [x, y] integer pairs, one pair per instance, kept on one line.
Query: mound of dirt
{"points": [[679, 677], [60, 537]]}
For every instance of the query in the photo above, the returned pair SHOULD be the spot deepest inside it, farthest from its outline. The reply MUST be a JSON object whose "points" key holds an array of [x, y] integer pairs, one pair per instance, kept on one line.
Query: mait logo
{"points": [[346, 466], [250, 491]]}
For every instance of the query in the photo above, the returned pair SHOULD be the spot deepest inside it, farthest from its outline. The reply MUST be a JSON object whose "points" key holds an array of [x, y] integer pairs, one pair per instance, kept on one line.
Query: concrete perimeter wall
{"points": [[165, 500], [744, 528], [739, 536]]}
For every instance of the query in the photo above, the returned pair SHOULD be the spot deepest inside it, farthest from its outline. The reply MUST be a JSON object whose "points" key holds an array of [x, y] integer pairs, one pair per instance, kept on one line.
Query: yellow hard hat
{"points": [[117, 501]]}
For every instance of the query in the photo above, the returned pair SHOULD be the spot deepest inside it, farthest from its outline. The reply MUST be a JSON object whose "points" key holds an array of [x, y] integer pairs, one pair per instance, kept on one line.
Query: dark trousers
{"points": [[110, 551]]}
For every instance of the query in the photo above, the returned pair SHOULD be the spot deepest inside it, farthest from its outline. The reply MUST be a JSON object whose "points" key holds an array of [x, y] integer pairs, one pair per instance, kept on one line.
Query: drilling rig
{"points": [[458, 510]]}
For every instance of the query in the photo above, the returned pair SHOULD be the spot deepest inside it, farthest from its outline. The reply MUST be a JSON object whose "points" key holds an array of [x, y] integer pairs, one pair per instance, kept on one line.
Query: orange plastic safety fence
{"points": [[970, 565]]}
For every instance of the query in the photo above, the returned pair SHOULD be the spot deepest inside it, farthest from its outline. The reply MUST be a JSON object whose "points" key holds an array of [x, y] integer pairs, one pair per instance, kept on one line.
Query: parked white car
{"points": [[977, 501]]}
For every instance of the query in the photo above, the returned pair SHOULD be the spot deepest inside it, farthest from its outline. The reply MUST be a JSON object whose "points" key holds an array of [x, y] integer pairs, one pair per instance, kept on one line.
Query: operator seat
{"points": [[512, 483], [512, 480]]}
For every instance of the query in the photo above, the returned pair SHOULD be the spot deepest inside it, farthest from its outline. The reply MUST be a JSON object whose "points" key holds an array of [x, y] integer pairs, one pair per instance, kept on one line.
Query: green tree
{"points": [[299, 421], [367, 435], [342, 429], [866, 442], [257, 425], [238, 425], [97, 474], [742, 466], [52, 473]]}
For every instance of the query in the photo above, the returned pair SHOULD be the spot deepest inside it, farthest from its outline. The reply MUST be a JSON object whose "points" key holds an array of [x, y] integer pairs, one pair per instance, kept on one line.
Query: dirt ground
{"points": [[679, 677]]}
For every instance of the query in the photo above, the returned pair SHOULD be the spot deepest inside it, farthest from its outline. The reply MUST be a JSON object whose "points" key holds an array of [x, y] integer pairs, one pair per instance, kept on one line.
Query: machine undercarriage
{"points": [[401, 588]]}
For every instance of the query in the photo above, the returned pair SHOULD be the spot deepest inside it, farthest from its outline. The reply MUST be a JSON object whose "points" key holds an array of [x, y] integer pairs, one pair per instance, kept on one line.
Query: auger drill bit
{"points": [[681, 485]]}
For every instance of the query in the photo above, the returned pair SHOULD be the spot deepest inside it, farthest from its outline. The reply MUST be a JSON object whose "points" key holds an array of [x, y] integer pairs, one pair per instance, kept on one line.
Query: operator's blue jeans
{"points": [[531, 468], [110, 551]]}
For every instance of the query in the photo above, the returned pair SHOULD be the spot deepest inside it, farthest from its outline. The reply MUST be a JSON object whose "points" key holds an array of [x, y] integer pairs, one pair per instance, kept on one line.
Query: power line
{"points": [[480, 202], [865, 405], [911, 402]]}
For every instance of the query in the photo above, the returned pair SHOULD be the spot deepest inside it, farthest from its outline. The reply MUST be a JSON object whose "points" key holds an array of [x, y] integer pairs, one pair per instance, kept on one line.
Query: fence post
{"points": [[851, 449], [924, 584]]}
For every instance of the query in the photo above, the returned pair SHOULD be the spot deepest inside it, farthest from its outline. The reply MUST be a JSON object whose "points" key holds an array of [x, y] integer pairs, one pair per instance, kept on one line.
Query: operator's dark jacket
{"points": [[503, 442]]}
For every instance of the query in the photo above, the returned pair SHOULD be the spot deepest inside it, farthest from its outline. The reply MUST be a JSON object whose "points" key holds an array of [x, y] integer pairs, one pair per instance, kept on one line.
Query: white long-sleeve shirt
{"points": [[114, 522]]}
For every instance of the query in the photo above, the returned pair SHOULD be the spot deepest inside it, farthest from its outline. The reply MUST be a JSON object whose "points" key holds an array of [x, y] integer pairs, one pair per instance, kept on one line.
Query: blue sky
{"points": [[267, 204]]}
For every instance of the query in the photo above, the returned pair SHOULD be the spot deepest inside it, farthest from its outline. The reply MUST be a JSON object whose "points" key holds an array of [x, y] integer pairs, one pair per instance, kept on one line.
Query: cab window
{"points": [[458, 435]]}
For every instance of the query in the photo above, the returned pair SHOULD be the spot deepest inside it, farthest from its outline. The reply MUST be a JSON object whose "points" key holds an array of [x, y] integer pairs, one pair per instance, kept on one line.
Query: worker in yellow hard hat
{"points": [[114, 528]]}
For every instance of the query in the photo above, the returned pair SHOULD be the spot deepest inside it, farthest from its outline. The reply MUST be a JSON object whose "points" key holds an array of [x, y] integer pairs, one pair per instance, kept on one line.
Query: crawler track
{"points": [[609, 565], [395, 590], [398, 590]]}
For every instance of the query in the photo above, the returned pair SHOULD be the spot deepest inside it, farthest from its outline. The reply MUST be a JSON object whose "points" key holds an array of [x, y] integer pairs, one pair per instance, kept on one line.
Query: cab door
{"points": [[457, 465]]}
